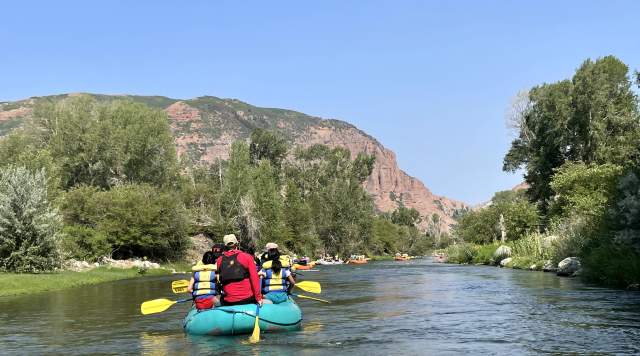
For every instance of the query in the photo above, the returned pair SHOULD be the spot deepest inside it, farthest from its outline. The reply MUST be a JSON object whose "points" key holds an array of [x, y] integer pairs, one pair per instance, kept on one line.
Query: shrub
{"points": [[523, 262], [613, 264], [572, 239], [531, 246], [461, 253], [29, 227], [84, 243], [485, 253], [501, 253], [137, 220]]}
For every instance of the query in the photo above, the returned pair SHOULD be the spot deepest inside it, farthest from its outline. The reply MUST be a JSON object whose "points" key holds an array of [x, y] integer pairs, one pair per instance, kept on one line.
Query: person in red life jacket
{"points": [[238, 275], [202, 285]]}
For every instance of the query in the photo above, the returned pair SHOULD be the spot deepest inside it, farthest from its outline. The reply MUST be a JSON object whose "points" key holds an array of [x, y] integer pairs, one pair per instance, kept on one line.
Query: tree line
{"points": [[88, 178], [578, 143]]}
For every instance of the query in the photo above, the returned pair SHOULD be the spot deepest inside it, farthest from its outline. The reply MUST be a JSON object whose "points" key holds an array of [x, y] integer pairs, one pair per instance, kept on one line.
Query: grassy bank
{"points": [[23, 283], [614, 268], [526, 253]]}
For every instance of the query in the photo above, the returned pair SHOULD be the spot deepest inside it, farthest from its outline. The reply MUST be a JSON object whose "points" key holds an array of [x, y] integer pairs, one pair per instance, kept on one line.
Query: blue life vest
{"points": [[204, 283], [275, 282]]}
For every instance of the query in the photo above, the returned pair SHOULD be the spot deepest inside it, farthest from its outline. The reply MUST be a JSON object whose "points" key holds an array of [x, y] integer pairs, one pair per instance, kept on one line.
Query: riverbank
{"points": [[536, 254], [24, 283]]}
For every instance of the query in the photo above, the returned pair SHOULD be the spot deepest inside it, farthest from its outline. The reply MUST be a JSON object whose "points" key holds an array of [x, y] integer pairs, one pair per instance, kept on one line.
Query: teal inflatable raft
{"points": [[240, 319]]}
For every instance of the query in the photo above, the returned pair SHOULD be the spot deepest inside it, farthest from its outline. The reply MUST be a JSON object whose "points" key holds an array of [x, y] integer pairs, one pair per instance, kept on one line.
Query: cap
{"points": [[230, 239], [271, 245]]}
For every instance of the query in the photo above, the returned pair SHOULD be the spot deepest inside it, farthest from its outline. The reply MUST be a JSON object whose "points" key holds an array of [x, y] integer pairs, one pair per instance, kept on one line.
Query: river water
{"points": [[412, 308]]}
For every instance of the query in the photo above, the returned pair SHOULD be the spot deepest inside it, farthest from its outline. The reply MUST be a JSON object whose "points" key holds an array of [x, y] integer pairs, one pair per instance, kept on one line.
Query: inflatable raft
{"points": [[240, 319]]}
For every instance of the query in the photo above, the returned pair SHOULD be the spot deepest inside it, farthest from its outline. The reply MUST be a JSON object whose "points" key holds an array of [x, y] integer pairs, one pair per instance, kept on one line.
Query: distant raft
{"points": [[240, 319]]}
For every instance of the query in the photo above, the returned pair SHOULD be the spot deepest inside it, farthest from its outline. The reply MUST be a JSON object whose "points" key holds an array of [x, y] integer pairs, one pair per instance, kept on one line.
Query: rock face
{"points": [[204, 129], [570, 266]]}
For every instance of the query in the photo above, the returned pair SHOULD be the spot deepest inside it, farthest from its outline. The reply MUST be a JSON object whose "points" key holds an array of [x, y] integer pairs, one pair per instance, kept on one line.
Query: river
{"points": [[411, 308]]}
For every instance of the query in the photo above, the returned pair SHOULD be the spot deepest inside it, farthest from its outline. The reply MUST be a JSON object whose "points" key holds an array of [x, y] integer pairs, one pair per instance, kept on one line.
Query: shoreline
{"points": [[14, 284]]}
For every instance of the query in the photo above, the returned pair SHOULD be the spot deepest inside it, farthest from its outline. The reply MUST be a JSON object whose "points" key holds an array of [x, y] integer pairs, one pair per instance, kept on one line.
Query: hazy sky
{"points": [[430, 80]]}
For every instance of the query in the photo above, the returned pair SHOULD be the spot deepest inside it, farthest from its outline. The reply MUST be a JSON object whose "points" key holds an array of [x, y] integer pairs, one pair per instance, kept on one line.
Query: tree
{"points": [[591, 118], [237, 179], [584, 191], [267, 145], [265, 193], [332, 184], [299, 221], [519, 218], [107, 143], [29, 227], [406, 216], [137, 219]]}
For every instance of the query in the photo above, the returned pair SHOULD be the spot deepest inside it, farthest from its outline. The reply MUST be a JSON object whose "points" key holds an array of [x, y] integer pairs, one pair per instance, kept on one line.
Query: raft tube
{"points": [[240, 319]]}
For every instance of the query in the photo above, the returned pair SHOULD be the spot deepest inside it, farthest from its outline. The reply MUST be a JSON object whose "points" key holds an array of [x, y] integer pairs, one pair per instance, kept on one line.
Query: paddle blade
{"points": [[310, 286], [312, 298], [255, 336], [180, 286], [156, 306]]}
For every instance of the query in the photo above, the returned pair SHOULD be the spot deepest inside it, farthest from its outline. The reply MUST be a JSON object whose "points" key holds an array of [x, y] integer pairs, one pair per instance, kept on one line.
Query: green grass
{"points": [[484, 254], [22, 283]]}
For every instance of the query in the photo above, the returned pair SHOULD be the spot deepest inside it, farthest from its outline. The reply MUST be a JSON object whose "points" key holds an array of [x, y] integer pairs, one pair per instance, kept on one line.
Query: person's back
{"points": [[238, 275], [202, 285], [277, 279]]}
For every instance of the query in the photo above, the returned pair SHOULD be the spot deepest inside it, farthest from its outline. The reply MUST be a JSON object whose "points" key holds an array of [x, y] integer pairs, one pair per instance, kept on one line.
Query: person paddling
{"points": [[238, 275], [202, 285], [277, 280]]}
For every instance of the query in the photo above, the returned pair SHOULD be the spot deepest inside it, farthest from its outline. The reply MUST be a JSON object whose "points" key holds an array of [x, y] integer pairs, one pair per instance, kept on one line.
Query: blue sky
{"points": [[430, 79]]}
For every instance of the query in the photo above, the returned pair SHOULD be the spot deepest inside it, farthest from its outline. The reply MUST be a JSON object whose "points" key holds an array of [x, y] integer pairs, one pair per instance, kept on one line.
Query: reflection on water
{"points": [[414, 307]]}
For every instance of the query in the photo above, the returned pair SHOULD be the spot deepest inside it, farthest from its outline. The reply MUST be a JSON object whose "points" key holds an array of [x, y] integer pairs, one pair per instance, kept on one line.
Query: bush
{"points": [[572, 238], [483, 226], [29, 227], [461, 253], [523, 262], [531, 246], [84, 243], [137, 220], [484, 254], [612, 264]]}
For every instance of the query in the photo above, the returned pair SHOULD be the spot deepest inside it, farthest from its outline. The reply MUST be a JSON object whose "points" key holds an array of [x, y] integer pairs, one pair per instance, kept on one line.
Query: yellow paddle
{"points": [[180, 286], [159, 305], [309, 286], [312, 298], [255, 336]]}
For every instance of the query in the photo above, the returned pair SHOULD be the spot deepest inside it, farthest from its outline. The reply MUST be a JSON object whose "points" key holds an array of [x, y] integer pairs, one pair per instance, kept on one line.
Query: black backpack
{"points": [[231, 270]]}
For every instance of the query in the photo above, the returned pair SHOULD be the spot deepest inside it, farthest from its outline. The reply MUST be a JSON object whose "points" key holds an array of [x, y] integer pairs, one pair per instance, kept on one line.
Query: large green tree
{"points": [[592, 118], [107, 143]]}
